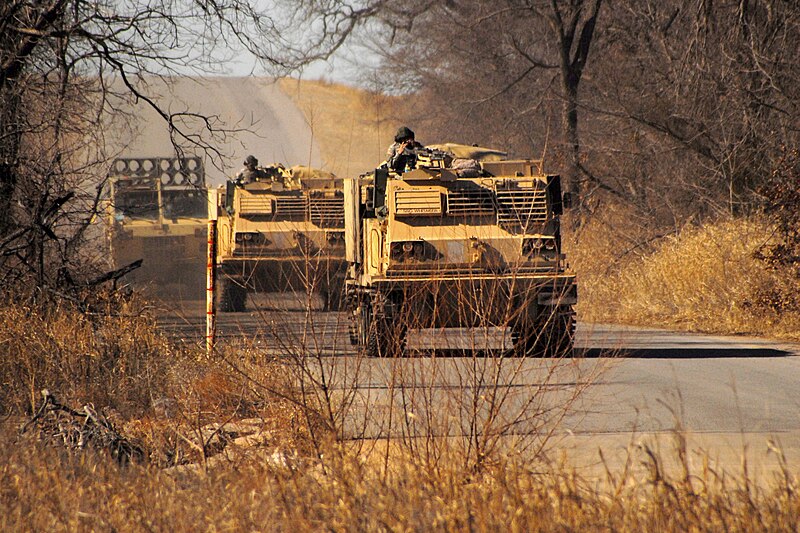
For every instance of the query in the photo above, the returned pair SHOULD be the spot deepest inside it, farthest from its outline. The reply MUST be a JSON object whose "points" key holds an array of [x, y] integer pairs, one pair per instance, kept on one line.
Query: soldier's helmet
{"points": [[403, 134], [250, 161]]}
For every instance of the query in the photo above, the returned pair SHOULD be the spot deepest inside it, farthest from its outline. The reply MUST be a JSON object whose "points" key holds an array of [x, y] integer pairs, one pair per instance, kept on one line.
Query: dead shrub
{"points": [[110, 355]]}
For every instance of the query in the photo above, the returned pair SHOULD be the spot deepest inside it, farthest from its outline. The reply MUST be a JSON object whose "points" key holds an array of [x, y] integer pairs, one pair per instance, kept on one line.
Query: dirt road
{"points": [[260, 119]]}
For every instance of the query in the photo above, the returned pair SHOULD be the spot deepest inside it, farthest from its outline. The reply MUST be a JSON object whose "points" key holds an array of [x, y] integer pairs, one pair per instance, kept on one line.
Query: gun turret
{"points": [[432, 158]]}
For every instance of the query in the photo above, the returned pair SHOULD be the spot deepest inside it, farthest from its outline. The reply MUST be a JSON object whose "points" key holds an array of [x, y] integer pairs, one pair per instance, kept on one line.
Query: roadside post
{"points": [[211, 275]]}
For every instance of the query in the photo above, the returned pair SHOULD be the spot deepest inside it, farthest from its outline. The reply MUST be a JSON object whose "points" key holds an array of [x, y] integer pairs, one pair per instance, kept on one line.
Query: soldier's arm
{"points": [[395, 151]]}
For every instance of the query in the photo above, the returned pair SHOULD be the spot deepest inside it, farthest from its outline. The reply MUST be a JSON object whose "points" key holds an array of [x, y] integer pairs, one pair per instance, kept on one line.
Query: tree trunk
{"points": [[574, 42], [9, 153]]}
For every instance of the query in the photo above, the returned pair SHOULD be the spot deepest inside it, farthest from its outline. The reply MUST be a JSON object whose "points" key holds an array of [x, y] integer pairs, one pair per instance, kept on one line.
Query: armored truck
{"points": [[282, 232], [458, 243], [157, 212]]}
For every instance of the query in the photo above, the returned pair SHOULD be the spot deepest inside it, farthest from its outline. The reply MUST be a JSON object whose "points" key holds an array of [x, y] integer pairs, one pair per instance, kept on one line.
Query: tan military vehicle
{"points": [[458, 243], [157, 212], [284, 232]]}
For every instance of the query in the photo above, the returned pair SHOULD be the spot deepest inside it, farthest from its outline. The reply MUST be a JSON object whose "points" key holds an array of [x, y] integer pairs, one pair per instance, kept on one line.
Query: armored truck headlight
{"points": [[401, 251], [335, 237], [404, 250], [532, 246], [536, 245], [251, 238]]}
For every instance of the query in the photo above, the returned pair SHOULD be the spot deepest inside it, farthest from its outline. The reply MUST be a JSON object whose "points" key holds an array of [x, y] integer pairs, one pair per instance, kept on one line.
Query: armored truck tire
{"points": [[378, 336], [550, 336], [233, 295]]}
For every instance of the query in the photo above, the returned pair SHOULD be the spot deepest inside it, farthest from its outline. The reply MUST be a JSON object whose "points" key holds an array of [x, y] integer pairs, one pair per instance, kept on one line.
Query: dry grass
{"points": [[353, 127], [160, 395], [111, 356], [700, 278], [42, 489]]}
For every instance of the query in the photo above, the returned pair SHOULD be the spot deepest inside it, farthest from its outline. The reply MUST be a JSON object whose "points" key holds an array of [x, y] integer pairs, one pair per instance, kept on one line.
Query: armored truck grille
{"points": [[327, 212], [255, 205], [521, 209], [517, 210], [478, 201], [291, 207]]}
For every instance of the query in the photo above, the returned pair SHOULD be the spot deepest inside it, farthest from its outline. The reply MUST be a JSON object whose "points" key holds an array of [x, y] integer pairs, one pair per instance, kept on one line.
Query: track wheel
{"points": [[233, 296], [550, 337]]}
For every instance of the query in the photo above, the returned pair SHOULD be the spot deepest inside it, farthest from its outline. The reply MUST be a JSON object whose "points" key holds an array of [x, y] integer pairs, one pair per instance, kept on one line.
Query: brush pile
{"points": [[75, 430]]}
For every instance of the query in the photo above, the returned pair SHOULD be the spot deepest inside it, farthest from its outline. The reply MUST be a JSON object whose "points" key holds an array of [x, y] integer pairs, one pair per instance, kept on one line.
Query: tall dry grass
{"points": [[41, 489], [702, 278], [106, 352], [109, 353]]}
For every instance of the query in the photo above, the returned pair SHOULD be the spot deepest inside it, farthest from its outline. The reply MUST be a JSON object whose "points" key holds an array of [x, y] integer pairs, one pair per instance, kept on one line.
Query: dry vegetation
{"points": [[43, 489], [699, 278], [111, 357], [352, 126]]}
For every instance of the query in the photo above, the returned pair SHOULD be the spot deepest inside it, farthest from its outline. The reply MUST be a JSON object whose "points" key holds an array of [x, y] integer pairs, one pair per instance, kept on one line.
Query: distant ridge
{"points": [[352, 127], [267, 122]]}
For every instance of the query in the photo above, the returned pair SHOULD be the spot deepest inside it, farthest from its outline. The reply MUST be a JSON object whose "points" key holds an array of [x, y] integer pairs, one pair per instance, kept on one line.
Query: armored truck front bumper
{"points": [[478, 299]]}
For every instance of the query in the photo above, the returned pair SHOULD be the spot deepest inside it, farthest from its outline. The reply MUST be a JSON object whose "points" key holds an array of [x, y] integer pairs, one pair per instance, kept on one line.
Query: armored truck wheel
{"points": [[551, 336], [233, 296], [378, 336]]}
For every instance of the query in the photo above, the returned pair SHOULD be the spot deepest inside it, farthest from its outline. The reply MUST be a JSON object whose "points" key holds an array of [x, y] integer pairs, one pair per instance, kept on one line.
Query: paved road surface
{"points": [[729, 393]]}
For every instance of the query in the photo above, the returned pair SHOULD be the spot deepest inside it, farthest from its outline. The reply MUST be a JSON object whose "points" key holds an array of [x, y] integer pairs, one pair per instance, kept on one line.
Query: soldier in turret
{"points": [[251, 172], [400, 156]]}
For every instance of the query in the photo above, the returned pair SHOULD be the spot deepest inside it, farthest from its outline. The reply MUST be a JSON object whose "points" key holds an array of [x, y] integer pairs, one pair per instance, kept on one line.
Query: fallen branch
{"points": [[81, 429]]}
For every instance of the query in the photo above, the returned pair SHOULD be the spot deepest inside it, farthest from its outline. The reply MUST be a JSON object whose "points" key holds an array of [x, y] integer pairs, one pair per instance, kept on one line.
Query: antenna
{"points": [[546, 140]]}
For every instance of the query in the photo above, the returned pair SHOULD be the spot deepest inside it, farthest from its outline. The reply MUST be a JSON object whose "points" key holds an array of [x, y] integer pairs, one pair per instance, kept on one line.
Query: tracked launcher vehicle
{"points": [[285, 233], [157, 212], [458, 243]]}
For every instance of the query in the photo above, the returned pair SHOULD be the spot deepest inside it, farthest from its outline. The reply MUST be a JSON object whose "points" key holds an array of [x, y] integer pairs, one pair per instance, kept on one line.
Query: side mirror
{"points": [[379, 188], [567, 200]]}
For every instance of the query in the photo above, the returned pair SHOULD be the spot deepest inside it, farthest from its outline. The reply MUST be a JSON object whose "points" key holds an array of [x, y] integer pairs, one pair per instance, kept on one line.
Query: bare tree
{"points": [[683, 107], [61, 61]]}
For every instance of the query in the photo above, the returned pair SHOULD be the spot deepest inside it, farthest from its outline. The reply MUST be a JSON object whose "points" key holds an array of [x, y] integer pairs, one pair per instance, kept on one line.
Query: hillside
{"points": [[257, 116], [352, 127]]}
